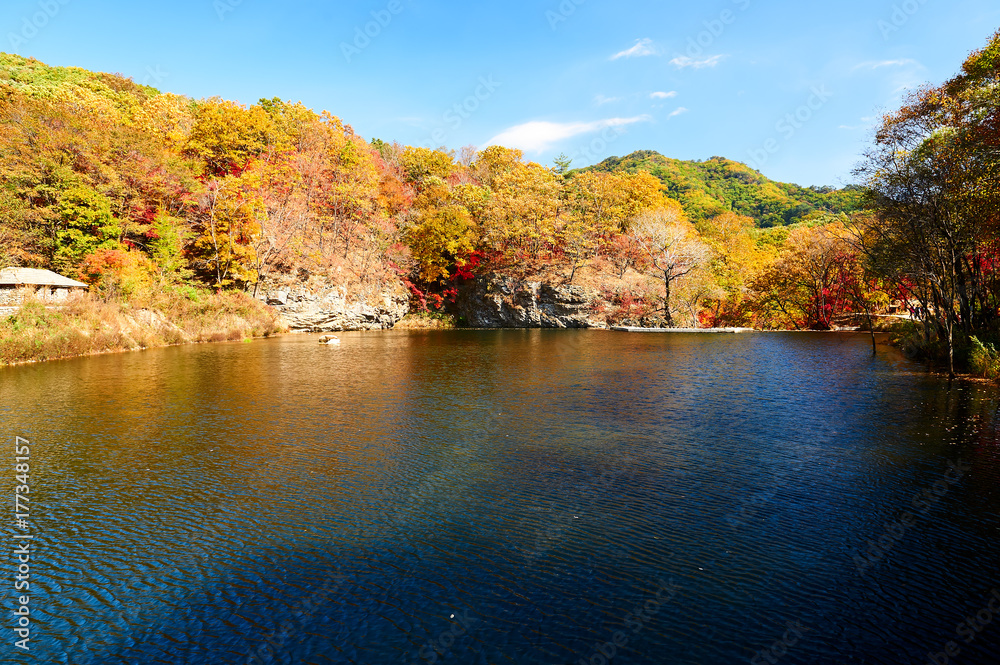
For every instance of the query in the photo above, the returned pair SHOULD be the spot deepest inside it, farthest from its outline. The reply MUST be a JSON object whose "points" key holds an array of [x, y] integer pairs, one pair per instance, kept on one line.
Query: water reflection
{"points": [[300, 503]]}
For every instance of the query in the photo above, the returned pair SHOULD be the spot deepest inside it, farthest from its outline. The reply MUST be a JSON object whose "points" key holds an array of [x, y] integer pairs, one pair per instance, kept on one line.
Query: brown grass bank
{"points": [[87, 325]]}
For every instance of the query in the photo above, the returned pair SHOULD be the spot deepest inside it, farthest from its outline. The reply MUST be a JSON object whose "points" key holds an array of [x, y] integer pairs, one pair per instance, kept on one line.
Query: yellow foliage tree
{"points": [[518, 223], [418, 164], [226, 136], [672, 246], [599, 207], [226, 227], [738, 260]]}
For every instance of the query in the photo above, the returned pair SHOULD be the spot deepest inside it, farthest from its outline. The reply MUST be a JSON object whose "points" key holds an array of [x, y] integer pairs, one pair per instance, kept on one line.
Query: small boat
{"points": [[329, 340]]}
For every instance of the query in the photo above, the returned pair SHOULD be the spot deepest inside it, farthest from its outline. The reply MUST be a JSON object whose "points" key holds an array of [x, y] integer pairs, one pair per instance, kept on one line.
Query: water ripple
{"points": [[506, 497]]}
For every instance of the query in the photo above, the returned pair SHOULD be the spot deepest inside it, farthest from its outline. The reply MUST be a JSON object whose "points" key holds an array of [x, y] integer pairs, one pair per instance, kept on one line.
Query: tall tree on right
{"points": [[933, 191]]}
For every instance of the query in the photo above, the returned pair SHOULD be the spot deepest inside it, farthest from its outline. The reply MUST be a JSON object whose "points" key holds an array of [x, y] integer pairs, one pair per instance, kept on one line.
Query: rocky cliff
{"points": [[323, 307], [486, 302], [502, 302]]}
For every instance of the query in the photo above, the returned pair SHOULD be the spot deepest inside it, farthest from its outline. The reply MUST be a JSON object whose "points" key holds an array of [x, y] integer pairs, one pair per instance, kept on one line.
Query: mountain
{"points": [[717, 185]]}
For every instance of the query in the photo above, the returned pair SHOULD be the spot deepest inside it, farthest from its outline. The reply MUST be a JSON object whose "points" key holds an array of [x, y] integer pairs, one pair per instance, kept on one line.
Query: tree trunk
{"points": [[951, 348], [871, 323], [666, 300]]}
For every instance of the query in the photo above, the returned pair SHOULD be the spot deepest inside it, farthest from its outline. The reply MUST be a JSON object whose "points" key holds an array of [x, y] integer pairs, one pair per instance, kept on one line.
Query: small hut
{"points": [[16, 283]]}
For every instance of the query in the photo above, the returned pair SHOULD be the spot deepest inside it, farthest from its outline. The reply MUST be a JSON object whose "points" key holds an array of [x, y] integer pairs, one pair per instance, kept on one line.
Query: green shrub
{"points": [[984, 359]]}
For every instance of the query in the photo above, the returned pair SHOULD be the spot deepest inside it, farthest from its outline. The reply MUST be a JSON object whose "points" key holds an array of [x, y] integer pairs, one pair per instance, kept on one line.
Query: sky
{"points": [[793, 89]]}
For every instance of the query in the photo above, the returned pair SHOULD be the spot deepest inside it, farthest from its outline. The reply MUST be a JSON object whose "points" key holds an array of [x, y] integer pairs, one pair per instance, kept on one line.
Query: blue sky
{"points": [[791, 88]]}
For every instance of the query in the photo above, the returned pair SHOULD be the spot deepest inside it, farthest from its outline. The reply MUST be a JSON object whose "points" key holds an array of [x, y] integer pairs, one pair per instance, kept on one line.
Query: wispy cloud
{"points": [[676, 112], [866, 123], [601, 100], [643, 47], [538, 136], [683, 61], [878, 64], [663, 95]]}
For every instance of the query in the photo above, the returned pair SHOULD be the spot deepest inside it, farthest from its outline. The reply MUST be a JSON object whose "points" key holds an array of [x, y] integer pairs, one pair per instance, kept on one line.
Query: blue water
{"points": [[528, 497]]}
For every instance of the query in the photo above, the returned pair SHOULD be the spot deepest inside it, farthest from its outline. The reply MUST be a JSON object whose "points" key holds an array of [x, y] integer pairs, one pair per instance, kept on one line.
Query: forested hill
{"points": [[717, 185], [141, 193]]}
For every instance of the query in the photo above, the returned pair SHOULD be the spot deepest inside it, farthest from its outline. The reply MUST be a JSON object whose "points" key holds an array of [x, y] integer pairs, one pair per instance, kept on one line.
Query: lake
{"points": [[524, 497]]}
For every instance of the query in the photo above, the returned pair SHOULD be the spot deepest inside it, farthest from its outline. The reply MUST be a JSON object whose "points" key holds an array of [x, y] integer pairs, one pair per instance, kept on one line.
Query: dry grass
{"points": [[426, 321], [86, 325]]}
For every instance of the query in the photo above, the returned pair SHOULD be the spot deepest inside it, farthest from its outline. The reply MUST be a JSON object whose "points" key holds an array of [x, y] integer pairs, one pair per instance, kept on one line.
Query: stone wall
{"points": [[10, 297]]}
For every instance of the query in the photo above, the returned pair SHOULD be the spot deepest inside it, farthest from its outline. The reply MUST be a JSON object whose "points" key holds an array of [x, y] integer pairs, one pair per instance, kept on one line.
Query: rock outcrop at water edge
{"points": [[326, 308], [504, 302]]}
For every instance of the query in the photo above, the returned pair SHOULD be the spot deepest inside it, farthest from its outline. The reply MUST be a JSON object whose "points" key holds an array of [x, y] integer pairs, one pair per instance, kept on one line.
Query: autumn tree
{"points": [[226, 136], [419, 164], [276, 198], [518, 221], [87, 226], [46, 150], [350, 185], [441, 237], [624, 252], [225, 227], [672, 246], [933, 188], [813, 281], [598, 209], [698, 289], [494, 162], [737, 259]]}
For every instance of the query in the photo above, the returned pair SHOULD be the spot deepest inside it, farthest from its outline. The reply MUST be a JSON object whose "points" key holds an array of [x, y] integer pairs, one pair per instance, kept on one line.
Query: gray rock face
{"points": [[278, 299], [327, 309], [500, 302]]}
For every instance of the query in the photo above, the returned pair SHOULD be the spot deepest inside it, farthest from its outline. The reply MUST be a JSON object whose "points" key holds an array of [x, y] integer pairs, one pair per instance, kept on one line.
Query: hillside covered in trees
{"points": [[139, 192], [719, 185]]}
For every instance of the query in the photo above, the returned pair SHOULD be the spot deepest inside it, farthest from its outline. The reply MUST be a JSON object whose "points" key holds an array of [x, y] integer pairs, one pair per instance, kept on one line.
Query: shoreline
{"points": [[717, 331], [122, 351], [414, 325]]}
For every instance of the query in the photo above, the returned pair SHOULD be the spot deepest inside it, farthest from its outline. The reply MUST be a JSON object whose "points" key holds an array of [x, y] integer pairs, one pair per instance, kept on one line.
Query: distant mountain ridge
{"points": [[717, 185]]}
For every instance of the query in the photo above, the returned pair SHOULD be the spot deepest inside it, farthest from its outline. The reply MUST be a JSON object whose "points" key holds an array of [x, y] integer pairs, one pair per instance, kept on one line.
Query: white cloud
{"points": [[866, 123], [682, 61], [677, 112], [663, 95], [601, 100], [878, 64], [643, 47], [538, 136]]}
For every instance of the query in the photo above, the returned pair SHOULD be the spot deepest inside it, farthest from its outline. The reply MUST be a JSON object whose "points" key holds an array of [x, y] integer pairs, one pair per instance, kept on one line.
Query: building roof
{"points": [[35, 277]]}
